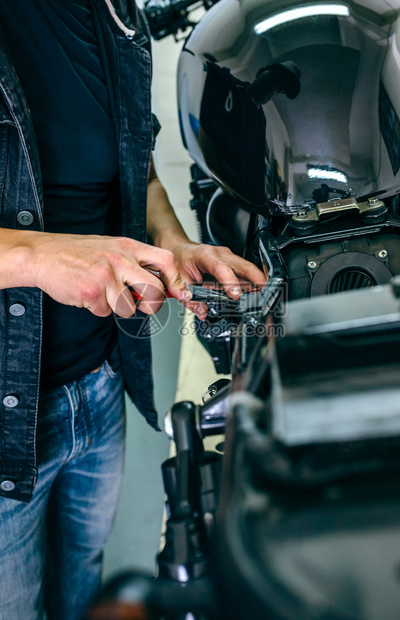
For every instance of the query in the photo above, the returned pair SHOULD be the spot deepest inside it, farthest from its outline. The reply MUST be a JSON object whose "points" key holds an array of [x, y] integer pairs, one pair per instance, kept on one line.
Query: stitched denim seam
{"points": [[66, 390]]}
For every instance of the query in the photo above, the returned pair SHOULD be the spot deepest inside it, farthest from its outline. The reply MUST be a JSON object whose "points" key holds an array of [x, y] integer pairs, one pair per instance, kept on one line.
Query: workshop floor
{"points": [[182, 370]]}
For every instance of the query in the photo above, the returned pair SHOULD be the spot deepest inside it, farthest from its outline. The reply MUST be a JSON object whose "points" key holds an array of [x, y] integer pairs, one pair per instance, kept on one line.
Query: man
{"points": [[76, 134]]}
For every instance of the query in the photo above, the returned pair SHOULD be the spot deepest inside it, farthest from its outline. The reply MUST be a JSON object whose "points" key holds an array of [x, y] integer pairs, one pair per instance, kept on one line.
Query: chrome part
{"points": [[339, 206], [168, 424]]}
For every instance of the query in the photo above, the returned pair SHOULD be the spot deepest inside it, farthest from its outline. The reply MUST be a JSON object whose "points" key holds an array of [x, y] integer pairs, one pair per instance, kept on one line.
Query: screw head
{"points": [[382, 254], [302, 214], [372, 201], [312, 264]]}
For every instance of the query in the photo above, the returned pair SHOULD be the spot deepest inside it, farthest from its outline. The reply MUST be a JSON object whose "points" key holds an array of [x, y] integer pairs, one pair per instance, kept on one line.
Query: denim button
{"points": [[25, 218], [10, 401], [7, 485], [17, 309]]}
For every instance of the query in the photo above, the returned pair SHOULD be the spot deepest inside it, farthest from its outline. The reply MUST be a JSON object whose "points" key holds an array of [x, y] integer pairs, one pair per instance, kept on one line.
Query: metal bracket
{"points": [[371, 206]]}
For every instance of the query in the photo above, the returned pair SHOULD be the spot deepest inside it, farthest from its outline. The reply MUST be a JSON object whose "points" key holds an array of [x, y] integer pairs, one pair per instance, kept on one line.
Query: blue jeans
{"points": [[51, 549]]}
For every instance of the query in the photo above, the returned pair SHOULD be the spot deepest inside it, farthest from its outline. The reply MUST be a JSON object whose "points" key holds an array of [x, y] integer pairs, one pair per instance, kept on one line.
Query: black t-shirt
{"points": [[55, 52]]}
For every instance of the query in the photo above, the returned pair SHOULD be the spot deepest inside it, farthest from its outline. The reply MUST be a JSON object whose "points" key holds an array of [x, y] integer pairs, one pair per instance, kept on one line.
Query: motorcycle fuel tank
{"points": [[287, 104]]}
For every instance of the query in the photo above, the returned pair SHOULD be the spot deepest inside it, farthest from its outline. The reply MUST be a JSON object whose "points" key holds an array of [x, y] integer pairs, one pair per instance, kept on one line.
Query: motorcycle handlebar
{"points": [[168, 17]]}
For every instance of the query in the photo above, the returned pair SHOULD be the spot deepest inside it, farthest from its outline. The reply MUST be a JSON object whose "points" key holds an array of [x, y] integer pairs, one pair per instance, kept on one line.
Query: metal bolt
{"points": [[372, 201], [302, 214], [382, 254], [312, 264]]}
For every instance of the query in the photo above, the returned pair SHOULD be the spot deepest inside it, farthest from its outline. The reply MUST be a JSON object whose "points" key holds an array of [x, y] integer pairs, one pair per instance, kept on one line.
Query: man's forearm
{"points": [[163, 227], [17, 266]]}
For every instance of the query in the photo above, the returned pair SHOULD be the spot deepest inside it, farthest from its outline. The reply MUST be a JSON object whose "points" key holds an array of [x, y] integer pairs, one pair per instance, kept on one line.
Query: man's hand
{"points": [[235, 274], [93, 272], [193, 260]]}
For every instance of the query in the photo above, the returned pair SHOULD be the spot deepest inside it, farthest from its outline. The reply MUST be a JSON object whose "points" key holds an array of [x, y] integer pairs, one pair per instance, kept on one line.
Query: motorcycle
{"points": [[290, 112]]}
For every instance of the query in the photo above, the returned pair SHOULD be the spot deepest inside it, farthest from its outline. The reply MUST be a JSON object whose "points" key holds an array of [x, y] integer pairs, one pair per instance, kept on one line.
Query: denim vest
{"points": [[124, 47]]}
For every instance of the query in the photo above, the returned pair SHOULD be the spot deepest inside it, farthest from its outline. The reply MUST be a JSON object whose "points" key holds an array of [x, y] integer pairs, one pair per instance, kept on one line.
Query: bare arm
{"points": [[89, 271], [16, 258], [163, 226]]}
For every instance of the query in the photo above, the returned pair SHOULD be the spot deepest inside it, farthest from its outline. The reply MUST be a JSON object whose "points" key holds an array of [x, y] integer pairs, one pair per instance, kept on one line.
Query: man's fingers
{"points": [[247, 271], [132, 288], [199, 309], [227, 277], [151, 293], [123, 303], [243, 271], [230, 270], [165, 264]]}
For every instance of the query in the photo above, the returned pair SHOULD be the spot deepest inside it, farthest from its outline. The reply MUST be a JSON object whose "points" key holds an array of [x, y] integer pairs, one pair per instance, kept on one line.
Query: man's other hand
{"points": [[94, 272]]}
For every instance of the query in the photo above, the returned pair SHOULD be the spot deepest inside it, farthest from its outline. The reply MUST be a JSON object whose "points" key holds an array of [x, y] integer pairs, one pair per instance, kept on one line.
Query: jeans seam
{"points": [[66, 390], [85, 408]]}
